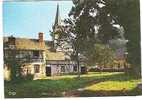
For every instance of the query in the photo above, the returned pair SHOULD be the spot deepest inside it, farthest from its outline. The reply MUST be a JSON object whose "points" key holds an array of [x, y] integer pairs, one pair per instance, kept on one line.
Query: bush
{"points": [[29, 77], [106, 70]]}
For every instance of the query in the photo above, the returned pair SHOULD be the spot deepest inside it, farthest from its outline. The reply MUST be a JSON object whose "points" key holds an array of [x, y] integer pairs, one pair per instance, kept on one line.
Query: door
{"points": [[48, 71]]}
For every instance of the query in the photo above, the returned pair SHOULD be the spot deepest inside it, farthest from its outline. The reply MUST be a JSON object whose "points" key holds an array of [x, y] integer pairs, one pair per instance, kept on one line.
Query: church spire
{"points": [[57, 18], [56, 29]]}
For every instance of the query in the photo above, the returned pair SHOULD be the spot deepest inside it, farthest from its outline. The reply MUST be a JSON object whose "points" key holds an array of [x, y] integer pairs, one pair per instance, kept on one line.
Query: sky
{"points": [[27, 19]]}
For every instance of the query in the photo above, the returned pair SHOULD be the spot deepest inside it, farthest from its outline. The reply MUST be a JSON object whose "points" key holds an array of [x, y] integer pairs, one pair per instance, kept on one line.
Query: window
{"points": [[36, 68], [62, 68], [11, 46], [36, 53], [75, 68]]}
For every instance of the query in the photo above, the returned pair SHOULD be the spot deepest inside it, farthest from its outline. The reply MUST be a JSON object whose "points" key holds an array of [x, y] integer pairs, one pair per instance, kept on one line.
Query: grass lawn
{"points": [[91, 84]]}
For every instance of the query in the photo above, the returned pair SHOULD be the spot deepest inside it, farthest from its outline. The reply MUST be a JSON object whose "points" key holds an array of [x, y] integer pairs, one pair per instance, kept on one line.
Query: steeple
{"points": [[57, 18], [56, 28]]}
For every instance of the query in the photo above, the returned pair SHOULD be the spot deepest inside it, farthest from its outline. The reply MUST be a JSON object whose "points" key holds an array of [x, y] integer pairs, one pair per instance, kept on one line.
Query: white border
{"points": [[141, 32], [1, 55], [89, 98]]}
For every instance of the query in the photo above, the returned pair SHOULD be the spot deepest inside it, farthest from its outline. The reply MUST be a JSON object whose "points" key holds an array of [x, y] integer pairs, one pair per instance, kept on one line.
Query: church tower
{"points": [[56, 28]]}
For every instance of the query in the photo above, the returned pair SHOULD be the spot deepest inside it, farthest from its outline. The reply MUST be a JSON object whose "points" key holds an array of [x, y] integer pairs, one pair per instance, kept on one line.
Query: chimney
{"points": [[11, 40], [41, 40], [40, 37]]}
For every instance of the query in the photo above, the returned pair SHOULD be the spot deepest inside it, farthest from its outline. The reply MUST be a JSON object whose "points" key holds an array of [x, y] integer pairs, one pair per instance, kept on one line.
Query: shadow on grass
{"points": [[58, 88]]}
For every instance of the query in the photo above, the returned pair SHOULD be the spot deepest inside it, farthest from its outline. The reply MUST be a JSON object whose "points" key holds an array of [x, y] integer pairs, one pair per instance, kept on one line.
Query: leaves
{"points": [[100, 54]]}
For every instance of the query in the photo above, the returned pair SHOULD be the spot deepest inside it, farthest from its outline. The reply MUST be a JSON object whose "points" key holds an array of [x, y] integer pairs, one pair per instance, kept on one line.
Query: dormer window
{"points": [[35, 54], [11, 46]]}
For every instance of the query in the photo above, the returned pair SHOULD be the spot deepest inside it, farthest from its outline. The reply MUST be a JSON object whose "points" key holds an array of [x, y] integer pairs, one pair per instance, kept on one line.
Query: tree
{"points": [[88, 24], [69, 42], [101, 54], [15, 63], [127, 14]]}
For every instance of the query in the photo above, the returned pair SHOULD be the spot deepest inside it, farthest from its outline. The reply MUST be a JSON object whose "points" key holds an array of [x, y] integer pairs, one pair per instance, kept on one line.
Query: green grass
{"points": [[92, 83]]}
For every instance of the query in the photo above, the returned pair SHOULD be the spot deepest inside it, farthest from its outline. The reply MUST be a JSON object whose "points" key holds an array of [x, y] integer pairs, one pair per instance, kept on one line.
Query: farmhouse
{"points": [[36, 57]]}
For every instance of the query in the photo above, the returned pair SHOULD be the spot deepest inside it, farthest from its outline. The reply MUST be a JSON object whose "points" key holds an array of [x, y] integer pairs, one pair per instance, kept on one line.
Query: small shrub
{"points": [[29, 77]]}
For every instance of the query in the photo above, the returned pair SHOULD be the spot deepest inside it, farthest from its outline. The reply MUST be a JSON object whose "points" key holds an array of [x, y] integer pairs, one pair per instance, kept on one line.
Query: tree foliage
{"points": [[100, 54], [127, 14], [88, 24]]}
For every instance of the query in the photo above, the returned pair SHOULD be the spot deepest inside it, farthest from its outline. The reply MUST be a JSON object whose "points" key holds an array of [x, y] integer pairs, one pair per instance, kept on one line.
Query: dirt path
{"points": [[77, 92]]}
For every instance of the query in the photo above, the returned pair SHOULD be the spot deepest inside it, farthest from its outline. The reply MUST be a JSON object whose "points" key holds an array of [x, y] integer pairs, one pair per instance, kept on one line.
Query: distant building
{"points": [[119, 45]]}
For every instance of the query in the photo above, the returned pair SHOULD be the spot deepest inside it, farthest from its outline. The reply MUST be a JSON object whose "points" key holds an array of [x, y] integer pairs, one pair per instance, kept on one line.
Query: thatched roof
{"points": [[51, 54], [55, 55], [25, 44], [33, 44]]}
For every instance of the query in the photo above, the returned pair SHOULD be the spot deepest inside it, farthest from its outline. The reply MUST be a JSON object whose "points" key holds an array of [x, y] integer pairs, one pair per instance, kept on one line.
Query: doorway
{"points": [[48, 71]]}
